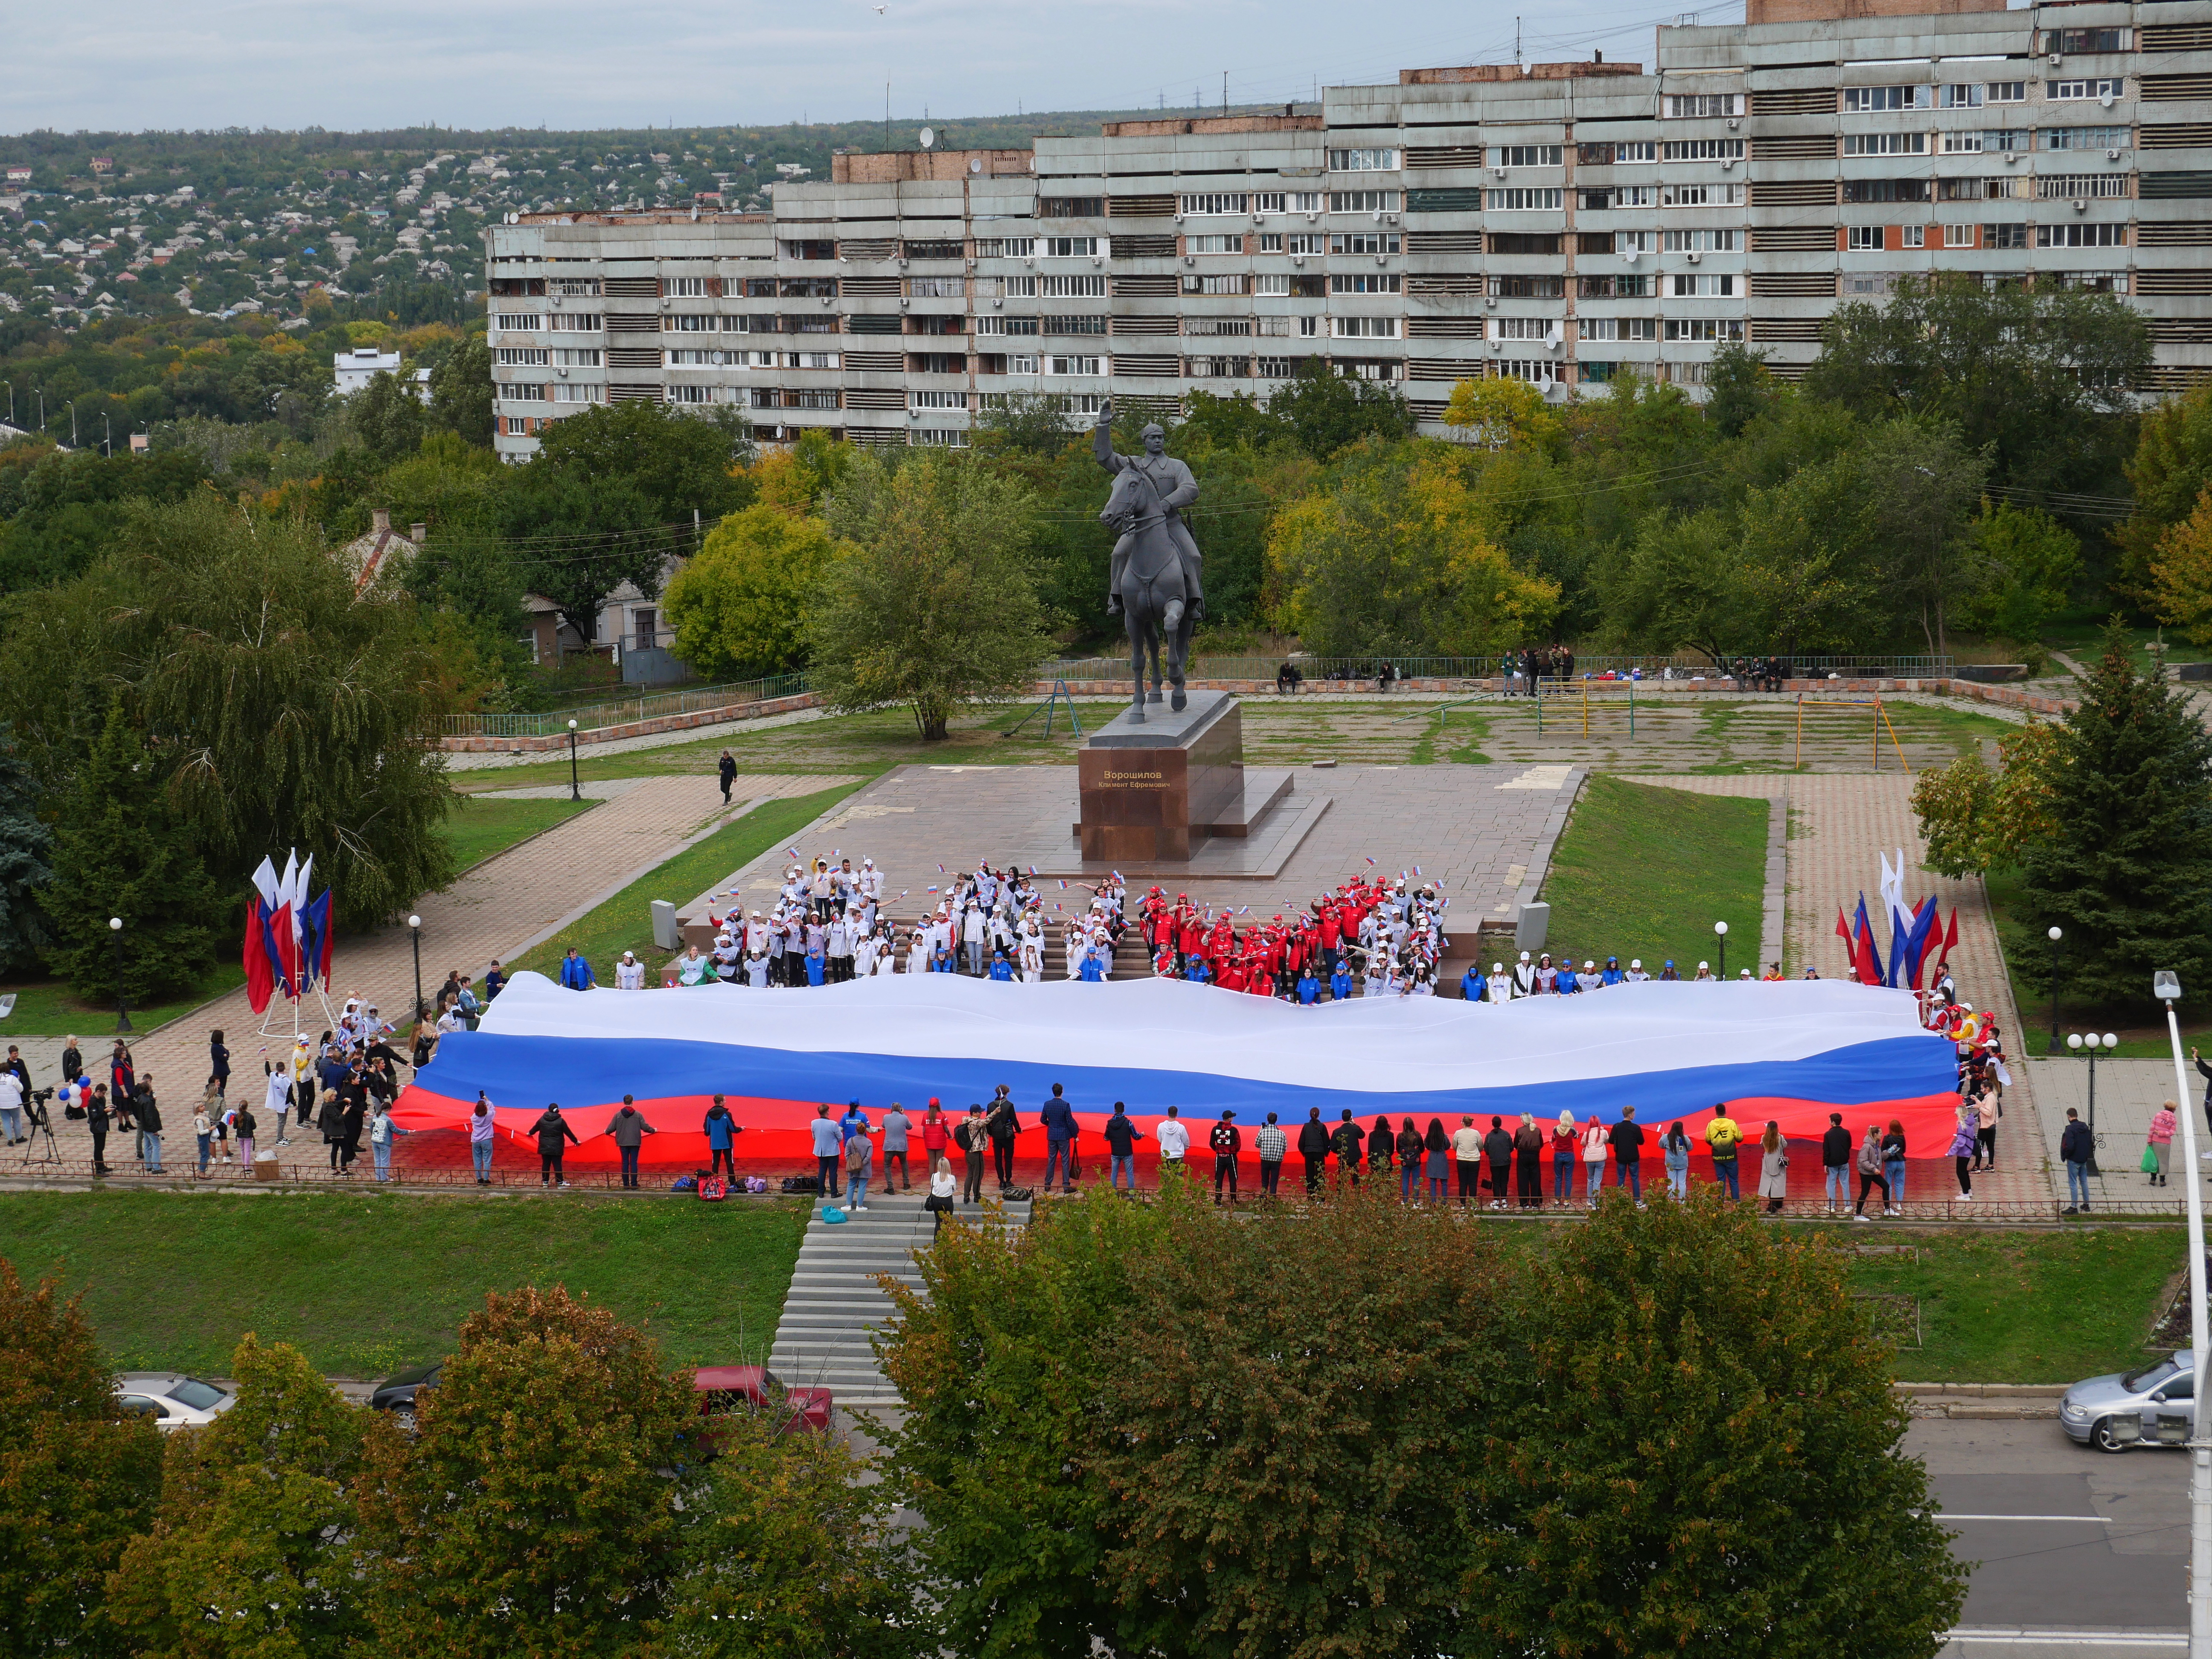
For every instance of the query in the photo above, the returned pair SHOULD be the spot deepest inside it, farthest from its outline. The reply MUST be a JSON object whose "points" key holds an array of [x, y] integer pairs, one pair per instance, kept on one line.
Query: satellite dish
{"points": [[975, 165], [928, 136]]}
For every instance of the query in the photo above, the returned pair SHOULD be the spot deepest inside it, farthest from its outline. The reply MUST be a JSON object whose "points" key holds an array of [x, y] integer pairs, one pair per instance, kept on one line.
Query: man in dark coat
{"points": [[1313, 1147], [552, 1131]]}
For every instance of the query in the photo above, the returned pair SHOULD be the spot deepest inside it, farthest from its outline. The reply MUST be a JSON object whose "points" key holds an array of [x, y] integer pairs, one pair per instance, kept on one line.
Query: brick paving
{"points": [[498, 911]]}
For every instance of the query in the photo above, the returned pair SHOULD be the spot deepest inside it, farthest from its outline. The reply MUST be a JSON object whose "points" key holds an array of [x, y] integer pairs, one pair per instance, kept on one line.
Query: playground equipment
{"points": [[1878, 722]]}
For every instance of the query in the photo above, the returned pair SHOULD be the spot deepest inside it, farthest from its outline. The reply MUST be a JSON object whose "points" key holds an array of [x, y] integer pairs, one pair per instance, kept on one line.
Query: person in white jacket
{"points": [[1596, 1145], [629, 973]]}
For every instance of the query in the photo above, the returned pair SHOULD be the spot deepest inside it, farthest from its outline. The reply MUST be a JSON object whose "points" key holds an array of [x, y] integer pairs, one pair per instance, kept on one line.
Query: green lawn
{"points": [[624, 922], [1646, 872], [2026, 1307], [478, 829], [364, 1283]]}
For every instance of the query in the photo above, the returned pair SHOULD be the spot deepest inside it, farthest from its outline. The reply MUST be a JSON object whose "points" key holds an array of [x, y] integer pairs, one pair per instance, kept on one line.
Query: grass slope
{"points": [[1646, 872], [365, 1282], [478, 829]]}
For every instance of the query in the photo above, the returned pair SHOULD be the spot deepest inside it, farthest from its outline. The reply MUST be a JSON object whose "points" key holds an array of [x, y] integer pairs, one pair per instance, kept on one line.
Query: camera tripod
{"points": [[41, 1126]]}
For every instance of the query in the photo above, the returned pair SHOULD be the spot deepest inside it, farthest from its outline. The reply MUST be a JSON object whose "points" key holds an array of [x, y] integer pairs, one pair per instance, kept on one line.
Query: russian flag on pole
{"points": [[1793, 1052], [260, 977], [315, 940]]}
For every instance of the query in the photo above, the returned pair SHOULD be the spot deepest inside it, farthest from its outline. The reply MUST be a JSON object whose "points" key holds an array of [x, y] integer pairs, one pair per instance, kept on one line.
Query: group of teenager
{"points": [[1385, 936]]}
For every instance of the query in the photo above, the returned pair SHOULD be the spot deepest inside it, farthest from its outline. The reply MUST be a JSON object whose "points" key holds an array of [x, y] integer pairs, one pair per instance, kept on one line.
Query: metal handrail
{"points": [[630, 710], [1586, 666]]}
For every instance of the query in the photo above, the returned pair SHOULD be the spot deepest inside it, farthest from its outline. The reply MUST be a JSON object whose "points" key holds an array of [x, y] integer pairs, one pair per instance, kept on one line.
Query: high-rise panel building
{"points": [[1554, 222]]}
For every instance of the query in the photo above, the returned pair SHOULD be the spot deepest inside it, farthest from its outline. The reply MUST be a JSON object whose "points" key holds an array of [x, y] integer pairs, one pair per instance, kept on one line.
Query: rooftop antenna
{"points": [[1516, 43]]}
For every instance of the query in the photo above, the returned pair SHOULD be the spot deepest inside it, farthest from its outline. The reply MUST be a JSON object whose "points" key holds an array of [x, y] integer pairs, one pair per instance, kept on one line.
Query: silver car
{"points": [[173, 1400], [2154, 1406]]}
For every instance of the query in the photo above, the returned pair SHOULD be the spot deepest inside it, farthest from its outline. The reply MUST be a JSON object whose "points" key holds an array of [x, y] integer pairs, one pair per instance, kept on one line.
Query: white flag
{"points": [[264, 883]]}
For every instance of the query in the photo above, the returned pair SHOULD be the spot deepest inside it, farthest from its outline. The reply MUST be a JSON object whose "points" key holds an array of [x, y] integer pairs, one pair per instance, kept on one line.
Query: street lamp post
{"points": [[414, 931], [2089, 1045], [122, 1013], [1720, 933], [2167, 988], [574, 791], [2055, 935]]}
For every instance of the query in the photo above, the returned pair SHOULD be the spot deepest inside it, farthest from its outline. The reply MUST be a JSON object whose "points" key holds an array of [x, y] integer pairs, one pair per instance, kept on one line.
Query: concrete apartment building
{"points": [[1554, 222]]}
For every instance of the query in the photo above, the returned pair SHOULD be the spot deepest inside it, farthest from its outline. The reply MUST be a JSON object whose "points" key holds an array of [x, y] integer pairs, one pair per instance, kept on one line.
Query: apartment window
{"points": [[523, 394], [1229, 285], [2004, 236], [1701, 196], [749, 359], [1958, 236], [1636, 286], [1217, 368], [691, 394], [1072, 248], [519, 356], [2001, 139], [2089, 137], [1862, 238], [1641, 150], [567, 391], [1524, 201], [576, 357], [1267, 201], [1071, 207], [1372, 160], [1072, 288], [1700, 330], [1273, 286], [2056, 187], [1878, 100], [1006, 248], [1380, 282], [1632, 329], [1306, 242], [2008, 91], [1527, 288], [1967, 95], [2090, 39], [806, 360], [1701, 241], [1217, 325], [937, 288], [1537, 371], [1885, 190], [1620, 196], [1214, 245], [1370, 368], [1216, 201], [2000, 187], [576, 287], [1916, 236], [2112, 86], [1072, 365], [683, 288], [1702, 150], [1688, 286], [1894, 143], [1271, 241], [689, 323], [1697, 104], [1635, 241], [1954, 143], [1022, 363], [938, 400], [692, 359], [1525, 155], [1308, 326], [1073, 325], [575, 322], [1522, 328], [1362, 201], [1367, 241], [2080, 236], [1276, 368], [808, 250], [1868, 284], [1307, 200], [1364, 328], [1278, 325], [520, 321], [1019, 287], [1003, 325], [932, 438]]}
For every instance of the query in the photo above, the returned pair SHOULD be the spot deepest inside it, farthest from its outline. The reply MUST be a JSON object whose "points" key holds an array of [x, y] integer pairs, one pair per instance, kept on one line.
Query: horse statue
{"points": [[1154, 580]]}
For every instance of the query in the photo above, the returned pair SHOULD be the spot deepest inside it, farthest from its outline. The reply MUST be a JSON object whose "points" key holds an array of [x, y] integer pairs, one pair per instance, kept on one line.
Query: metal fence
{"points": [[1680, 665], [626, 711]]}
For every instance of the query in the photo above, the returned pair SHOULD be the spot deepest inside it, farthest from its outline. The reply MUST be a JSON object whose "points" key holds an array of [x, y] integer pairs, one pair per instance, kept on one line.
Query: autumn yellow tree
{"points": [[1505, 413], [739, 607], [2181, 572]]}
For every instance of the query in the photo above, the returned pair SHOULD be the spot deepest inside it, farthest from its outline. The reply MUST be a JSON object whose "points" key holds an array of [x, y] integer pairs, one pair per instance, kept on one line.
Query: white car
{"points": [[173, 1400]]}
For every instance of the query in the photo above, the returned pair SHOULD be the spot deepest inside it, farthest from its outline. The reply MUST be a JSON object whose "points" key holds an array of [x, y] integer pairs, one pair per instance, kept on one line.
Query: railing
{"points": [[626, 711], [1680, 665]]}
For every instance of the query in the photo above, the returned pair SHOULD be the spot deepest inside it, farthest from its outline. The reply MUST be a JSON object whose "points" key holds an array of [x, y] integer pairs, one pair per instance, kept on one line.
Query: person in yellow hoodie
{"points": [[1723, 1135]]}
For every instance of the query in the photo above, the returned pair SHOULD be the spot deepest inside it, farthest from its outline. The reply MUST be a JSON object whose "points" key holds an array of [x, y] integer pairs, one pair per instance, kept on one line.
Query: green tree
{"points": [[460, 391], [933, 602], [1322, 412], [278, 708], [531, 1513], [796, 1554], [26, 849], [2170, 471], [1028, 422], [1976, 819], [78, 1476], [388, 417], [2127, 867], [120, 854], [739, 607], [1739, 389], [2023, 566], [1704, 1455], [1678, 584], [62, 512], [1285, 1466], [255, 1552]]}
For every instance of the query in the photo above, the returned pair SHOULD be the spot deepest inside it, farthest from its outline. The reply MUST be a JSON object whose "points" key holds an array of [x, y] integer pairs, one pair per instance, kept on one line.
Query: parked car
{"points": [[2114, 1413], [725, 1388], [173, 1400], [396, 1393]]}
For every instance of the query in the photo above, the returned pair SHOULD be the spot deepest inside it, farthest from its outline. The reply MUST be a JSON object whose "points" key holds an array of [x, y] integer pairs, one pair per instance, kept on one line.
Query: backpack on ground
{"points": [[714, 1189], [756, 1184], [683, 1184], [802, 1183], [1016, 1194]]}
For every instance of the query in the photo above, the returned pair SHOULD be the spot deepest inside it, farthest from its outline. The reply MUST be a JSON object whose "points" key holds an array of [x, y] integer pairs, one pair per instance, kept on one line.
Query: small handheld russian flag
{"points": [[1371, 863]]}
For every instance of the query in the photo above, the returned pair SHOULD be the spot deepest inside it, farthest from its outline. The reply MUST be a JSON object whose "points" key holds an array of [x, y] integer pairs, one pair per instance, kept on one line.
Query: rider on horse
{"points": [[1173, 482]]}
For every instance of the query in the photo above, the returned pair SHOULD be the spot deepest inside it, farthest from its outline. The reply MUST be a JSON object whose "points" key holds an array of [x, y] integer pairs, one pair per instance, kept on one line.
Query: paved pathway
{"points": [[479, 762]]}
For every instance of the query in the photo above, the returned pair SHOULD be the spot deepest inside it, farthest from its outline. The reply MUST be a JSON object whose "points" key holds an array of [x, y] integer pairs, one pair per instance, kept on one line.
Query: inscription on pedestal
{"points": [[1150, 791]]}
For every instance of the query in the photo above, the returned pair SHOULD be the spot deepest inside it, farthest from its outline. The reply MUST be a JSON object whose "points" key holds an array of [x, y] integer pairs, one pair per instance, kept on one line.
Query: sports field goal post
{"points": [[1878, 721]]}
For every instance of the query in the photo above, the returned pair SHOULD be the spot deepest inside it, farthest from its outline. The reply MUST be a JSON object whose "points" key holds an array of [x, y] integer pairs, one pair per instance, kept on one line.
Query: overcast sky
{"points": [[135, 65]]}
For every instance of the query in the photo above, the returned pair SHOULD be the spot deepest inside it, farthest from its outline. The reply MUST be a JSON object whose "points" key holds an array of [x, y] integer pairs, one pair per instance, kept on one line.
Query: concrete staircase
{"points": [[834, 1304]]}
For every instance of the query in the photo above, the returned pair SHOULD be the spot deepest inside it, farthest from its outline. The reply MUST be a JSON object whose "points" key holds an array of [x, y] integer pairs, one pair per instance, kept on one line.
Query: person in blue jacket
{"points": [[720, 1126], [940, 961], [576, 972], [1198, 973], [1059, 1120], [1611, 975], [1340, 981], [1001, 969], [1093, 971], [817, 966], [1309, 987], [1473, 986], [1569, 983]]}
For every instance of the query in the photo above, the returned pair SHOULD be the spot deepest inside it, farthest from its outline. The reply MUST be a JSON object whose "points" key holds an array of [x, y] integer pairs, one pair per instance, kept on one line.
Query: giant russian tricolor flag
{"points": [[1792, 1051]]}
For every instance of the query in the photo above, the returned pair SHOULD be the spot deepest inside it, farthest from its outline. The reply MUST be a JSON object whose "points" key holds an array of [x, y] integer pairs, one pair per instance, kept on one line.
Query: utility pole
{"points": [[2167, 986]]}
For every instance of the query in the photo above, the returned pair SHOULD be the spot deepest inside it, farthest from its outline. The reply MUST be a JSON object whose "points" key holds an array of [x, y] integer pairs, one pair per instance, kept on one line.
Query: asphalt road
{"points": [[2076, 1553]]}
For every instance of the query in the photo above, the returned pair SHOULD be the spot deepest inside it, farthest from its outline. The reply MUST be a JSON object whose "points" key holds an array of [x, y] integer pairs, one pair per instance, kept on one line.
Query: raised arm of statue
{"points": [[1102, 438]]}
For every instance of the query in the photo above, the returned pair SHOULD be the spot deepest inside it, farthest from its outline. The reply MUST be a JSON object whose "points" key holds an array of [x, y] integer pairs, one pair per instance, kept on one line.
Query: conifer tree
{"points": [[26, 849]]}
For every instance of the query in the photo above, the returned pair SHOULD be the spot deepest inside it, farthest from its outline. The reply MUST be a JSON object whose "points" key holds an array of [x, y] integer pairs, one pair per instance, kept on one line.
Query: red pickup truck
{"points": [[725, 1388]]}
